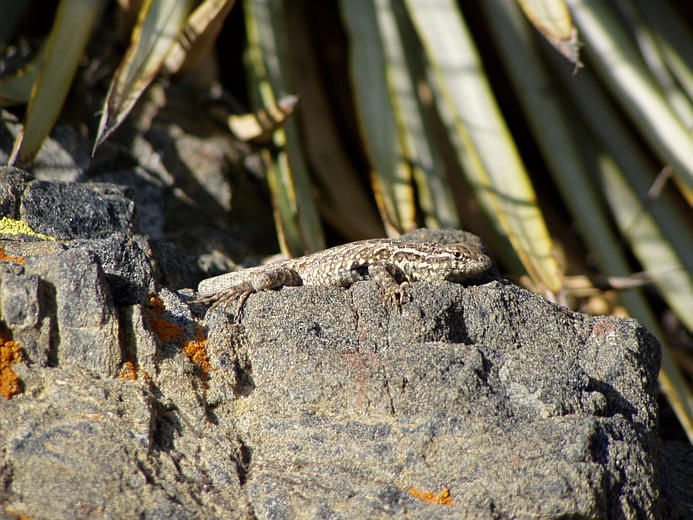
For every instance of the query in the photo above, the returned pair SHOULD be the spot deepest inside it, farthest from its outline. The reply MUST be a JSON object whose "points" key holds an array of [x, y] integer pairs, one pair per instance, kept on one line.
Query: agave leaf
{"points": [[282, 191], [158, 25], [558, 146], [481, 138], [296, 217], [674, 38], [275, 163], [616, 138], [653, 57], [615, 56], [552, 19], [344, 201], [433, 192], [674, 385], [391, 175], [72, 26], [200, 33], [652, 249]]}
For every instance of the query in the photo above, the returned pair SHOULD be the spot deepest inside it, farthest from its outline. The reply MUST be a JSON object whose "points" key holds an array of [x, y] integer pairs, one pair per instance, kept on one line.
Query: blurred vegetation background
{"points": [[558, 131]]}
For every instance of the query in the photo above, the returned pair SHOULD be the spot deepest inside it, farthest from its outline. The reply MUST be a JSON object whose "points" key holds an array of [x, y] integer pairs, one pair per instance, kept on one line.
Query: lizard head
{"points": [[463, 261], [453, 262]]}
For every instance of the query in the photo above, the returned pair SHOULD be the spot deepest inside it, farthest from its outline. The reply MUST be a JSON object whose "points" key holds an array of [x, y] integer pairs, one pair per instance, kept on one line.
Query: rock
{"points": [[64, 155], [72, 210], [20, 246], [20, 310], [176, 267], [82, 448], [128, 269], [323, 403], [84, 313], [475, 401], [478, 401], [139, 338], [518, 406], [148, 194], [60, 310], [13, 182]]}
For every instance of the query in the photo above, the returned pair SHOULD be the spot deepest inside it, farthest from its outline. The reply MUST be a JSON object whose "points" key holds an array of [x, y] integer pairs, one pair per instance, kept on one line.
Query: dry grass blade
{"points": [[158, 25]]}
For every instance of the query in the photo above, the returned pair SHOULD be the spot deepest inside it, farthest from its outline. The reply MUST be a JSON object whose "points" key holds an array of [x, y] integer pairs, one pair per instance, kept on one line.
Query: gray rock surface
{"points": [[127, 267], [320, 403], [521, 408], [73, 210], [13, 183], [147, 192], [64, 155], [60, 309]]}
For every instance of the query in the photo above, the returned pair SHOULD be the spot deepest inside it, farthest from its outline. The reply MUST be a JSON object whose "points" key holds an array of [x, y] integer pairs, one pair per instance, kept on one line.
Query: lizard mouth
{"points": [[458, 275]]}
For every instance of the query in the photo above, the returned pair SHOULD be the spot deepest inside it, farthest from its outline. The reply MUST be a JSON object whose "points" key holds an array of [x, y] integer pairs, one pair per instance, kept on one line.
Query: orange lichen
{"points": [[196, 351], [443, 498], [95, 416], [165, 329], [18, 515], [10, 353], [146, 376], [9, 258], [128, 372]]}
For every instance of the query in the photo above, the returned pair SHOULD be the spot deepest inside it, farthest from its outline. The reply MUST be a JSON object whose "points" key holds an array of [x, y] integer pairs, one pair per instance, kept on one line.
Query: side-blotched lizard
{"points": [[393, 264]]}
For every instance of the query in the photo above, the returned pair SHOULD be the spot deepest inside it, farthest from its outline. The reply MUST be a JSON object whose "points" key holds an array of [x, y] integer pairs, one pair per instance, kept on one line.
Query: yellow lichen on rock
{"points": [[12, 226]]}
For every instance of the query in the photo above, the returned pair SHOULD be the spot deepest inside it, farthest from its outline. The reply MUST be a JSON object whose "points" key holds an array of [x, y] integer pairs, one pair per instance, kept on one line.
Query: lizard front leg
{"points": [[260, 280], [390, 289]]}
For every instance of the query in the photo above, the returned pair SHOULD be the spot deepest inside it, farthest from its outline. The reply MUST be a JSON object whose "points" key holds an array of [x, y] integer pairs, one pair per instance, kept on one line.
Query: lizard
{"points": [[393, 264]]}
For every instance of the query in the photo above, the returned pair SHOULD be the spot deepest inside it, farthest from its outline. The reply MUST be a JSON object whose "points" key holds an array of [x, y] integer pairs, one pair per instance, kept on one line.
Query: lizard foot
{"points": [[260, 280], [395, 293], [239, 291]]}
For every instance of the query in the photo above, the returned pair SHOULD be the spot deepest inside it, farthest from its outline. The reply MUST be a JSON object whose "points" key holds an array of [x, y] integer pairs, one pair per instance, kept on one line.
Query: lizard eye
{"points": [[457, 254]]}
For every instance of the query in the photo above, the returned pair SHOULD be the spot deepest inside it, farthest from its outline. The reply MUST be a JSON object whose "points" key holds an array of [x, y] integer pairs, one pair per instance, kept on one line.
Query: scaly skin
{"points": [[391, 263]]}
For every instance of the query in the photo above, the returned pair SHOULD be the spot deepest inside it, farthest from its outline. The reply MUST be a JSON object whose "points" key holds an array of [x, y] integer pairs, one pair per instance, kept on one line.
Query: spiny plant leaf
{"points": [[158, 25]]}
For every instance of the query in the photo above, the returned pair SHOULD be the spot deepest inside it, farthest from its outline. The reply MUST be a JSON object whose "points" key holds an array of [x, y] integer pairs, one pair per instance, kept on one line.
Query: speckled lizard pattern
{"points": [[393, 264]]}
